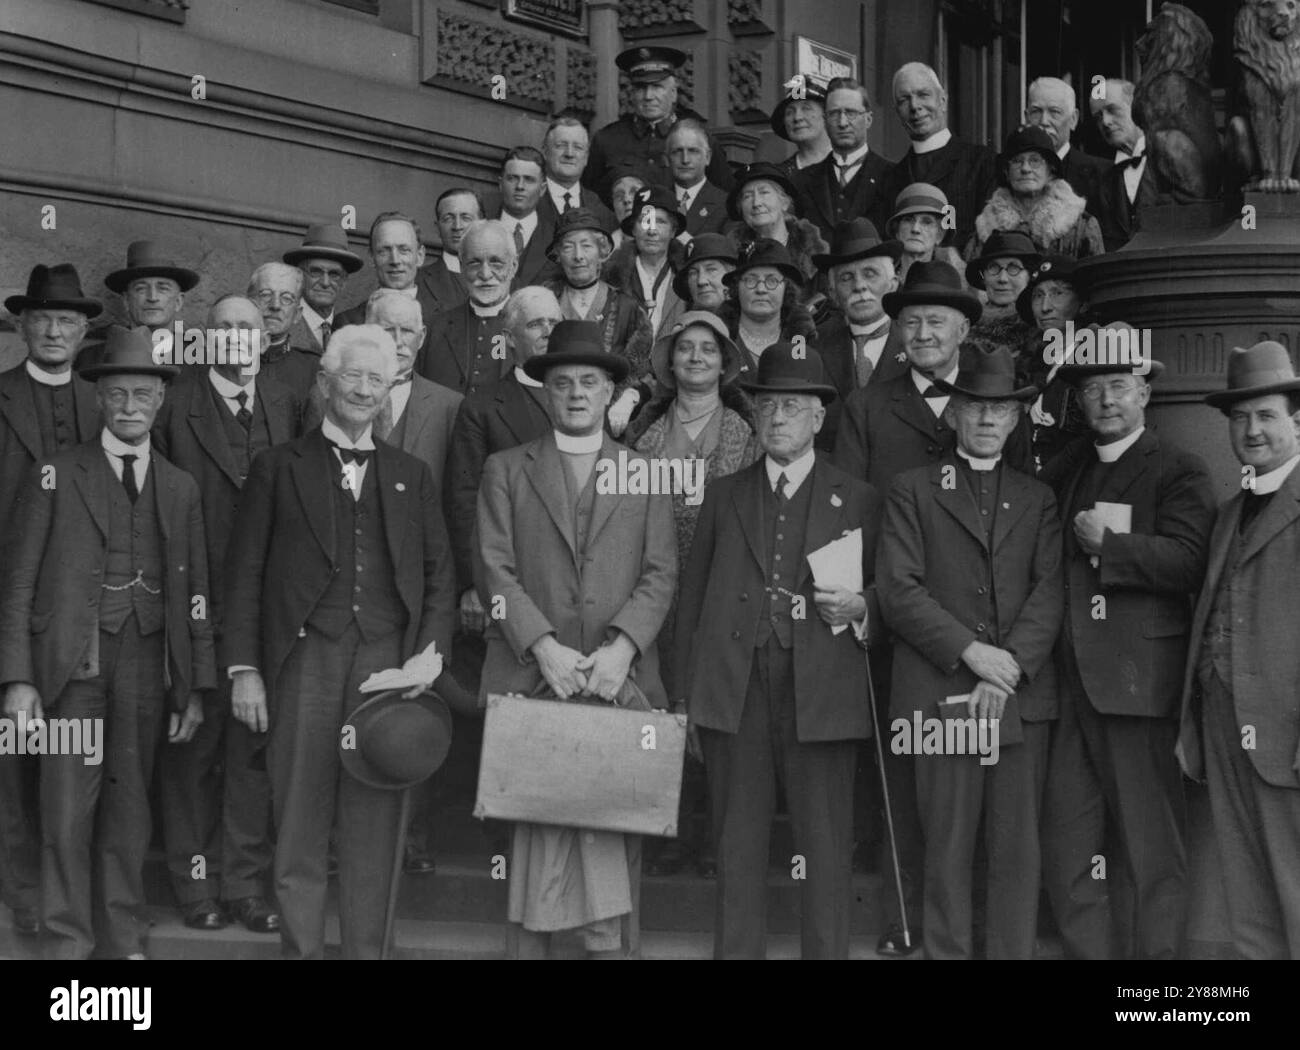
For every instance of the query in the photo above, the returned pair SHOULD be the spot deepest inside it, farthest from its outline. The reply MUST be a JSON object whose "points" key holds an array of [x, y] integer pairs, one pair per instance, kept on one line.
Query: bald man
{"points": [[1053, 107], [966, 172]]}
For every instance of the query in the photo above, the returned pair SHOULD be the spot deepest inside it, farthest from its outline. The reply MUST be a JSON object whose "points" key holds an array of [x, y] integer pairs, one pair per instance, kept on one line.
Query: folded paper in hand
{"points": [[421, 669], [1118, 517], [839, 564]]}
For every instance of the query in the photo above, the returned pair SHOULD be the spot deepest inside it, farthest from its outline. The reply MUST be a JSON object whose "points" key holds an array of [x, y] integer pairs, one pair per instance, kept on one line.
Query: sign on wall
{"points": [[821, 63], [560, 16]]}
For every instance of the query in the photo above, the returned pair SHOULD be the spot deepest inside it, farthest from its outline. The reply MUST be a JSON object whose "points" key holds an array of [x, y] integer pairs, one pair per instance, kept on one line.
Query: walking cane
{"points": [[884, 787], [395, 882]]}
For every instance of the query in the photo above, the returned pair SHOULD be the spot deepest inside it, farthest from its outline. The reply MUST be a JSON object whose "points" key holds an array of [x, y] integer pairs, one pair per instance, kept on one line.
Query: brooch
{"points": [[400, 487], [1006, 506], [836, 501]]}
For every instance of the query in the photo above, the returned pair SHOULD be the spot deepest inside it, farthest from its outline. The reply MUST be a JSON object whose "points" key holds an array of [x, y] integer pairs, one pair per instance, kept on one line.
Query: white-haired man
{"points": [[339, 568], [1053, 106], [277, 289], [1125, 187]]}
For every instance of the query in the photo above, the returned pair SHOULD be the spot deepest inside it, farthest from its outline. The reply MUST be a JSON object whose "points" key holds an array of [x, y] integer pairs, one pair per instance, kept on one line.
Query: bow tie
{"points": [[353, 455], [403, 379], [645, 127], [1131, 162]]}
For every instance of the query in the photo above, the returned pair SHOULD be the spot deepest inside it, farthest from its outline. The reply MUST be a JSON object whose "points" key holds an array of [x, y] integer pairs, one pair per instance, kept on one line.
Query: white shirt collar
{"points": [[924, 382], [1274, 479], [399, 396], [529, 223], [1110, 453], [936, 141], [230, 391], [452, 262], [579, 446], [853, 159], [334, 434], [557, 193], [315, 320], [1061, 151], [794, 471], [114, 446], [1139, 149], [691, 192], [48, 378], [978, 464], [526, 380], [480, 310], [880, 327]]}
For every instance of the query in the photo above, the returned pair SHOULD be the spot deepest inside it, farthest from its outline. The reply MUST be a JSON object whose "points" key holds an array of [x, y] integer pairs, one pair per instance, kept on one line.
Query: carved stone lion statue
{"points": [[1266, 45], [1173, 105]]}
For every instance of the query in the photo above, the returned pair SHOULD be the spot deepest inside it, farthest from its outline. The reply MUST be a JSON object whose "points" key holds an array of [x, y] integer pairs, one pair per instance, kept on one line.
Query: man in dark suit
{"points": [[465, 347], [858, 343], [456, 209], [565, 148], [1053, 106], [522, 181], [1113, 775], [326, 261], [966, 172], [773, 679], [212, 425], [1126, 187], [850, 182], [44, 409], [1240, 730], [306, 626], [277, 290], [969, 583], [105, 621], [703, 204]]}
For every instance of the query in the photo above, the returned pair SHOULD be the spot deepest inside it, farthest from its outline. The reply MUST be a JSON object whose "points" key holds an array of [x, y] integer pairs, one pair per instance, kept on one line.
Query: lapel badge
{"points": [[1006, 506], [835, 500], [704, 212], [901, 356], [400, 487]]}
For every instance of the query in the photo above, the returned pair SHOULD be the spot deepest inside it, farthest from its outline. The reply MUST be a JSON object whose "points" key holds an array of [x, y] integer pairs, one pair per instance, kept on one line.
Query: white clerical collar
{"points": [[1063, 150], [487, 311], [977, 464], [526, 380], [853, 159], [1139, 150], [227, 389], [1274, 479], [315, 320], [579, 445], [936, 141], [1110, 453], [795, 471], [48, 378], [335, 435], [924, 382], [452, 262], [114, 446]]}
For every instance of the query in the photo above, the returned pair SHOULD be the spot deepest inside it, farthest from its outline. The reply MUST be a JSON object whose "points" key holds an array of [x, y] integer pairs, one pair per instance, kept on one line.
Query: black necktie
{"points": [[353, 455], [128, 477], [243, 417], [1131, 162], [781, 482], [568, 200], [324, 334]]}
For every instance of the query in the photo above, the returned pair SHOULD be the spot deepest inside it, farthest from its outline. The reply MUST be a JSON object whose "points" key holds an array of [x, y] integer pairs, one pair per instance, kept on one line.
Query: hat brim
{"points": [[1054, 163], [1074, 373], [96, 370], [119, 280], [777, 121], [885, 249], [1023, 394], [297, 256], [789, 270], [1024, 301], [552, 251], [824, 391], [537, 366], [661, 354], [680, 283], [1224, 398], [16, 304], [362, 769], [894, 302], [629, 223]]}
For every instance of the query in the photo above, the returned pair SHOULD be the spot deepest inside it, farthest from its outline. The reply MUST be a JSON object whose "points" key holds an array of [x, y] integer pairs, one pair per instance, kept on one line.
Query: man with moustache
{"points": [[152, 286], [338, 568], [326, 261], [105, 617], [1125, 188], [1240, 727], [689, 154], [215, 796], [277, 290], [397, 251], [522, 183], [464, 347], [1113, 776], [566, 147], [1052, 106], [586, 579], [969, 580], [44, 408], [456, 210], [966, 172], [848, 183]]}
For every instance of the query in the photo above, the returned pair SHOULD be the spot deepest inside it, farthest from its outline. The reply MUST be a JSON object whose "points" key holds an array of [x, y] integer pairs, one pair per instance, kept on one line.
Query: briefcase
{"points": [[581, 765]]}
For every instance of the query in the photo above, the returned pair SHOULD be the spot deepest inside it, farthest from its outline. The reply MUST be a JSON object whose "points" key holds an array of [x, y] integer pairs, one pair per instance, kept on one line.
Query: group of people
{"points": [[212, 558]]}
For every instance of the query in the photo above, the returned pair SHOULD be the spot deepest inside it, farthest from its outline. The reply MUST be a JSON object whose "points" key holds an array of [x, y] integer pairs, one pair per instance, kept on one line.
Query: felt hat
{"points": [[576, 343], [703, 247], [570, 222], [127, 351], [782, 371], [654, 197], [988, 375], [1264, 368], [1074, 372], [933, 284], [661, 354], [856, 239], [812, 92], [396, 742], [1002, 244], [146, 259], [918, 198], [760, 172], [764, 252], [1030, 137], [1051, 268], [325, 240], [56, 287]]}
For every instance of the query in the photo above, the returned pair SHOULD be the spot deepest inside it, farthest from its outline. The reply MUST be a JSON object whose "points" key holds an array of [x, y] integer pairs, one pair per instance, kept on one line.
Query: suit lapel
{"points": [[545, 471], [748, 498], [1221, 540], [278, 412], [955, 498], [164, 494], [209, 429], [1282, 510], [417, 413], [1013, 502], [19, 408], [92, 482], [314, 472], [909, 406]]}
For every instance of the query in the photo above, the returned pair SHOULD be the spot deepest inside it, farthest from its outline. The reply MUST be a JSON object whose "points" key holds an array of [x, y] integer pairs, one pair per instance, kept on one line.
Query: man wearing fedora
{"points": [[152, 286], [773, 679], [216, 798], [326, 261], [965, 172], [969, 583], [1113, 776], [1240, 724], [338, 567], [44, 408], [848, 183], [105, 617], [636, 139], [585, 578], [702, 203]]}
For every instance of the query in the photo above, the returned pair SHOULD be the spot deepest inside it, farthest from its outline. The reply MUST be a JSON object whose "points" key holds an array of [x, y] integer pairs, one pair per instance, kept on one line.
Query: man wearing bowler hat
{"points": [[584, 577], [338, 567], [44, 408], [152, 286], [767, 662], [638, 138], [104, 620], [1240, 730], [1129, 589], [326, 261], [969, 584]]}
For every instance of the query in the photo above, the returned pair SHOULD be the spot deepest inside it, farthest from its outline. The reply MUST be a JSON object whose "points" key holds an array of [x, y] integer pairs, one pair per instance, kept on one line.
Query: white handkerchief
{"points": [[421, 669], [1118, 517], [839, 564]]}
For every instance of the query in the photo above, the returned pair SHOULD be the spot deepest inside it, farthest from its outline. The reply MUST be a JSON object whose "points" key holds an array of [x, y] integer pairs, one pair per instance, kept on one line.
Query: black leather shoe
{"points": [[891, 942], [255, 913], [203, 915], [26, 922], [419, 863]]}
